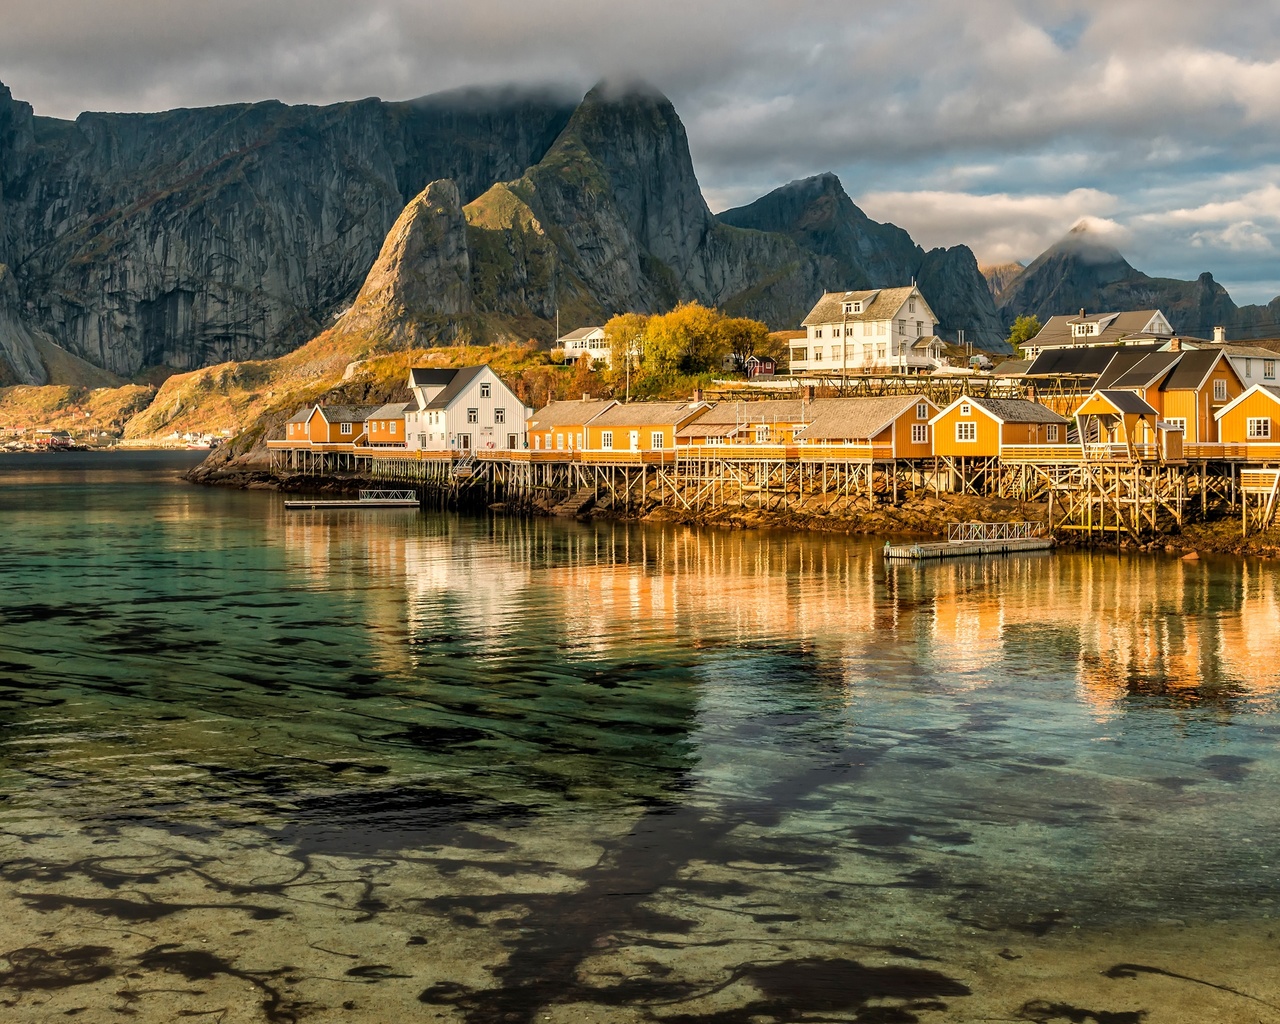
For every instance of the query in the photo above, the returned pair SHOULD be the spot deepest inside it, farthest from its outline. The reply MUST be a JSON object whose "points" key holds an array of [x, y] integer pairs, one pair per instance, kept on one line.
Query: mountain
{"points": [[858, 252], [1000, 275], [191, 237], [1085, 271]]}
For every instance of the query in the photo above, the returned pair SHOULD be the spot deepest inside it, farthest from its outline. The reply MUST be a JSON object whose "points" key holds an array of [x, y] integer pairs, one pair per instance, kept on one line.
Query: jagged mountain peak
{"points": [[1090, 242]]}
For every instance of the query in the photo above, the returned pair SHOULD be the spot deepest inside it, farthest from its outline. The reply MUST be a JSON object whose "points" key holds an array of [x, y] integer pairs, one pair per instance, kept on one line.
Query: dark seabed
{"points": [[391, 766]]}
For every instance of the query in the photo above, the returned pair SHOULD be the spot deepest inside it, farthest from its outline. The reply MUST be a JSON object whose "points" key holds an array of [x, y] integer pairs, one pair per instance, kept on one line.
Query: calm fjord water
{"points": [[393, 766]]}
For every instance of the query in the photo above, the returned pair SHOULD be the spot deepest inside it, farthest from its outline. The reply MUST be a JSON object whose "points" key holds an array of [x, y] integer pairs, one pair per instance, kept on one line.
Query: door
{"points": [[635, 440], [464, 442]]}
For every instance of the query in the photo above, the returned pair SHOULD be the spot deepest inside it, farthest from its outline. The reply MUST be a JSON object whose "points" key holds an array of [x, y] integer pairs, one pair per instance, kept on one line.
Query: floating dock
{"points": [[972, 540], [367, 499]]}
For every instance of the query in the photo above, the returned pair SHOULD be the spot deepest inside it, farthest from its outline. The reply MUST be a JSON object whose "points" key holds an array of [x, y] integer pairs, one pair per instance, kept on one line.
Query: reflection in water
{"points": [[367, 766]]}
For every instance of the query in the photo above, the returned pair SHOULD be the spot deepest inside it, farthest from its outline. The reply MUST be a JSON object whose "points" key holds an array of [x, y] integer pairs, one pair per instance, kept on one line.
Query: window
{"points": [[919, 433], [656, 442], [548, 442], [902, 327], [1219, 390], [1177, 423], [1259, 428], [911, 305], [499, 415], [762, 434], [967, 431], [837, 351], [1051, 433], [393, 427], [1269, 368], [922, 410], [818, 333], [1248, 367], [919, 328], [880, 351], [848, 332], [422, 440], [817, 354], [966, 409], [345, 428], [473, 415], [882, 327], [559, 442], [579, 439], [485, 390], [800, 354], [606, 439]]}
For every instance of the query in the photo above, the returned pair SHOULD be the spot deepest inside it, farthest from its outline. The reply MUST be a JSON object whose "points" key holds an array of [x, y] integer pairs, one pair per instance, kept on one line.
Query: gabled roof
{"points": [[462, 378], [781, 410], [303, 414], [1112, 327], [647, 414], [346, 413], [426, 376], [1128, 402], [1272, 391], [580, 333], [1193, 370], [1007, 410], [569, 414], [877, 304], [701, 428], [1086, 362], [1012, 367], [390, 411], [857, 419]]}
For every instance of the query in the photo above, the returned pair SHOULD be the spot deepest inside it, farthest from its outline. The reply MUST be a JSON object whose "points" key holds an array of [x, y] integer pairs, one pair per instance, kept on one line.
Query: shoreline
{"points": [[922, 516]]}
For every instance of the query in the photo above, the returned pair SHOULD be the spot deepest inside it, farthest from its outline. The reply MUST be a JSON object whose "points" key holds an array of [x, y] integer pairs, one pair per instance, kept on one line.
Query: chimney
{"points": [[585, 396], [1175, 344], [1081, 312], [697, 394], [1220, 334]]}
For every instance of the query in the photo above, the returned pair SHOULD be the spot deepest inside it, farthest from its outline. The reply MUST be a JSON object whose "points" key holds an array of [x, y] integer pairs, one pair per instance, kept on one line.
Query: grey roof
{"points": [[462, 377], [1018, 410], [1113, 327], [390, 411], [782, 410], [1128, 402], [347, 413], [701, 428], [303, 414], [1191, 371], [1249, 351], [1086, 362], [877, 304], [644, 414], [579, 334], [1013, 367], [569, 414], [855, 419]]}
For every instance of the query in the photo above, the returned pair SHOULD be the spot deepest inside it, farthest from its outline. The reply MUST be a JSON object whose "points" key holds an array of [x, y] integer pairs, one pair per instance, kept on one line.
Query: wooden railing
{"points": [[963, 533]]}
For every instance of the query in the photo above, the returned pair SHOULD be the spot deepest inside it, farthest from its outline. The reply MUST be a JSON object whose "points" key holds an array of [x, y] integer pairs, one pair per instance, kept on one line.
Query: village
{"points": [[1114, 420]]}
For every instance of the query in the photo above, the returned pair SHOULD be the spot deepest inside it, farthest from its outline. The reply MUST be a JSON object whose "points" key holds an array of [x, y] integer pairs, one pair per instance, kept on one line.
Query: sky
{"points": [[994, 123]]}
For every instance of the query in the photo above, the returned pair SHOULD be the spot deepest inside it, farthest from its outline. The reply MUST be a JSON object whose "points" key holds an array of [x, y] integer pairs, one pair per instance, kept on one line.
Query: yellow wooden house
{"points": [[1253, 418], [385, 426], [985, 427], [889, 427], [329, 424], [1185, 388], [765, 422], [640, 426], [562, 426]]}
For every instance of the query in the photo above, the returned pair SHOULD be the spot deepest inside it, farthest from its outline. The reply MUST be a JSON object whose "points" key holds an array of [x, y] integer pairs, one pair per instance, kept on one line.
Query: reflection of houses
{"points": [[586, 341], [889, 329], [463, 409], [561, 426]]}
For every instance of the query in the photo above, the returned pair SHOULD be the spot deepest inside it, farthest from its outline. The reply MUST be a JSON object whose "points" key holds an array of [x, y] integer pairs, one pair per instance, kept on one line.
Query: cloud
{"points": [[1000, 228]]}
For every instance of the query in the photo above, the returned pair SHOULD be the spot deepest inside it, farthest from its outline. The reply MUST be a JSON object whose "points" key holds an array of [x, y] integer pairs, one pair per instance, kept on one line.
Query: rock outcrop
{"points": [[1000, 275], [20, 361], [858, 252], [421, 282], [1085, 271]]}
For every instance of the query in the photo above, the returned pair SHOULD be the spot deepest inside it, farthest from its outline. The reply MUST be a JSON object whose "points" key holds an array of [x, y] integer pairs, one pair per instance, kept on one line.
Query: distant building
{"points": [[886, 329], [1088, 330], [463, 409], [586, 341], [761, 366]]}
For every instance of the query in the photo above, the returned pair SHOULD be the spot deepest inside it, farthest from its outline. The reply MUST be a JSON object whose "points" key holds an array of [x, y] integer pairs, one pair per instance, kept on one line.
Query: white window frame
{"points": [[559, 442], [1177, 421], [966, 409], [473, 415], [1219, 390], [966, 432], [763, 434], [817, 351], [1268, 369], [656, 441], [499, 415], [391, 428], [922, 411], [346, 428], [1258, 428], [606, 439], [919, 433], [486, 390], [1051, 433]]}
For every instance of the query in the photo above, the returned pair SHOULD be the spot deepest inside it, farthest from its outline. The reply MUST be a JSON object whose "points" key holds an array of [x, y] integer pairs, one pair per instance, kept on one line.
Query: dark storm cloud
{"points": [[993, 122]]}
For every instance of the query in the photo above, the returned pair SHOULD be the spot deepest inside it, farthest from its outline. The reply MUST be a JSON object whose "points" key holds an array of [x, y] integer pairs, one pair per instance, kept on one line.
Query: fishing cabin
{"points": [[986, 428], [562, 426], [385, 426], [889, 427], [640, 426], [730, 423], [1251, 419]]}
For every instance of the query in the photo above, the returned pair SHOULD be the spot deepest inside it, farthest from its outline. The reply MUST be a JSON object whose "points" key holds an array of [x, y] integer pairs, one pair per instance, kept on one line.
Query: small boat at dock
{"points": [[366, 499]]}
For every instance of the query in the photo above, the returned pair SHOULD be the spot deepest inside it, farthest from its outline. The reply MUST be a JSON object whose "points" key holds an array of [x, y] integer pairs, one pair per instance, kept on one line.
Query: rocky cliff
{"points": [[195, 236], [20, 361], [857, 252], [1085, 271]]}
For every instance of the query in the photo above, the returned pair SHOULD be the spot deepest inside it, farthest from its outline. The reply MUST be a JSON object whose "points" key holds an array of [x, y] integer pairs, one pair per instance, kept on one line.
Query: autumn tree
{"points": [[1024, 329], [742, 338]]}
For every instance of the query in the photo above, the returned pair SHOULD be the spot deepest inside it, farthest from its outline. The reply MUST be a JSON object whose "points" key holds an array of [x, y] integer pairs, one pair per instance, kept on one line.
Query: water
{"points": [[383, 766]]}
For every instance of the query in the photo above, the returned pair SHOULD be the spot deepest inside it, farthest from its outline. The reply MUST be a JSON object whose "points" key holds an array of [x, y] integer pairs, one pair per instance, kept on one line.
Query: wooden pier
{"points": [[973, 540]]}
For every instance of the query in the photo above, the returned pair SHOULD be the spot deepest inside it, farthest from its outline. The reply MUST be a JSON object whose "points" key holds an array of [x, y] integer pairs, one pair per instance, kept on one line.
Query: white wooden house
{"points": [[889, 329], [463, 409], [589, 342]]}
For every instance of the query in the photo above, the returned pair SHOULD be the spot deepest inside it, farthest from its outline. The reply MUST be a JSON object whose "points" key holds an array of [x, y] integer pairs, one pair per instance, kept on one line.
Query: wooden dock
{"points": [[367, 499], [973, 540]]}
